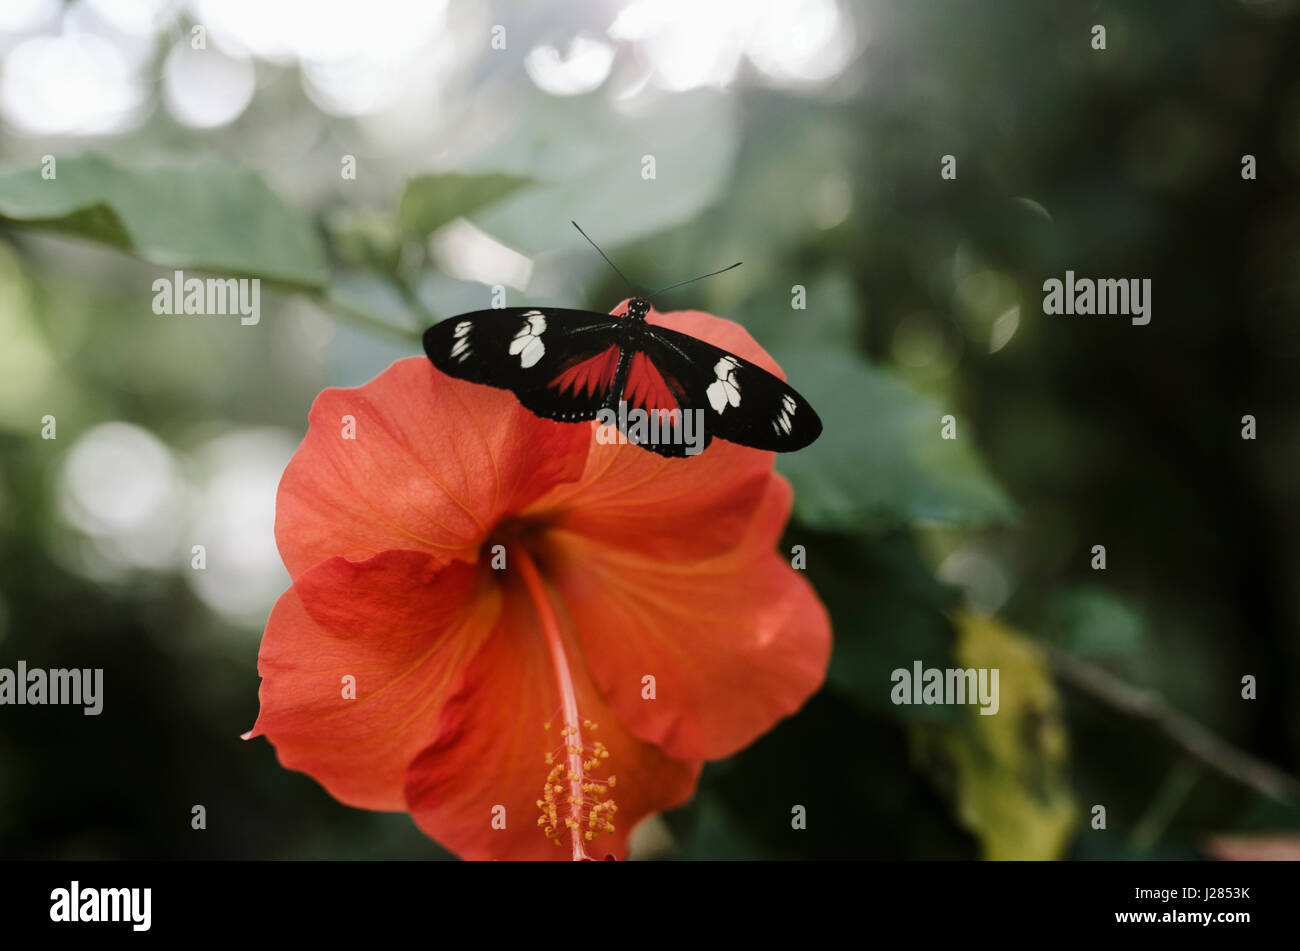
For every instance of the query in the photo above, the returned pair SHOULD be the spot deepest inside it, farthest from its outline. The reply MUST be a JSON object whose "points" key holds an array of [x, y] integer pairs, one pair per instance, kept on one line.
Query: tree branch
{"points": [[363, 319], [1194, 739]]}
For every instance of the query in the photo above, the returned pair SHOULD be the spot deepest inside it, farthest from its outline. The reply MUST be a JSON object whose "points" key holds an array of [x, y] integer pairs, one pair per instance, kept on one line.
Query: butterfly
{"points": [[664, 390]]}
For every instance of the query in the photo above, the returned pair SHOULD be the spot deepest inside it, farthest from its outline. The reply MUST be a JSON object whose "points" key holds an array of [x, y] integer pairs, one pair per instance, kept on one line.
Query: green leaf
{"points": [[430, 201], [1006, 771], [32, 373], [1092, 622], [364, 239], [881, 460], [208, 213], [888, 611], [597, 169], [376, 303], [711, 834], [830, 321], [852, 774]]}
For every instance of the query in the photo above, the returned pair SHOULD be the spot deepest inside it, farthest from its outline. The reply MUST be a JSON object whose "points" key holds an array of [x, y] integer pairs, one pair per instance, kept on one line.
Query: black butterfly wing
{"points": [[560, 363], [656, 388], [742, 402], [568, 365]]}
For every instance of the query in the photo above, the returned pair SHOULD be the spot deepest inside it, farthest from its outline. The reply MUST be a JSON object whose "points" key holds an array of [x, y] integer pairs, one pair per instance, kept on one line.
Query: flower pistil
{"points": [[571, 798]]}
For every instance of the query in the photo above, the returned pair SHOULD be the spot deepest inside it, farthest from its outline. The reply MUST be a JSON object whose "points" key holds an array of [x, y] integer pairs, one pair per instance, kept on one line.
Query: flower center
{"points": [[571, 798]]}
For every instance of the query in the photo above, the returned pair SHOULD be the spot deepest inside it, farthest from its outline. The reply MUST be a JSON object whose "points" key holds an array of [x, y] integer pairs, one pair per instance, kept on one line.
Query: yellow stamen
{"points": [[584, 799]]}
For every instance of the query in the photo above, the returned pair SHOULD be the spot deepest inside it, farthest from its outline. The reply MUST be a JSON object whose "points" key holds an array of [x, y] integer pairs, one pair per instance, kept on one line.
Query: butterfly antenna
{"points": [[694, 279], [635, 291]]}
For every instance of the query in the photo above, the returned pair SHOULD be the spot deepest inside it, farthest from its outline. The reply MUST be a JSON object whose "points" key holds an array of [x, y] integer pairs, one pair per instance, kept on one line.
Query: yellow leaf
{"points": [[1007, 771]]}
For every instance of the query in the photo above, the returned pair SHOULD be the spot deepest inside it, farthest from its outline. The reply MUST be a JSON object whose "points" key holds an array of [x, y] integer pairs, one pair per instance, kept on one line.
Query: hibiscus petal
{"points": [[491, 753], [398, 625], [734, 642], [672, 509], [434, 463]]}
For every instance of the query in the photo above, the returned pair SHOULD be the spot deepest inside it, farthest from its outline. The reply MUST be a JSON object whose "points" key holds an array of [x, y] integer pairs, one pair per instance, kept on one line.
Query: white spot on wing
{"points": [[531, 353], [527, 342], [724, 390], [784, 422], [460, 346]]}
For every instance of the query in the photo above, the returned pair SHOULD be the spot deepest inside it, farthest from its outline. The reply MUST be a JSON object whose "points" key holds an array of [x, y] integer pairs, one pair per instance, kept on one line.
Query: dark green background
{"points": [[1075, 432]]}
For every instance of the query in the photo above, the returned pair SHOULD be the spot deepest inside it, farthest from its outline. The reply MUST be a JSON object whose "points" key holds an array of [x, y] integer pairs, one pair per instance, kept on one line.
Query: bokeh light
{"points": [[234, 520], [692, 43], [120, 485], [75, 83], [207, 88], [582, 67]]}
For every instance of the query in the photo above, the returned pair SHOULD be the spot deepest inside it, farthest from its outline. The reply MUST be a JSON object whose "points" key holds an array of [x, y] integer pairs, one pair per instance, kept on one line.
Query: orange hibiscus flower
{"points": [[517, 633]]}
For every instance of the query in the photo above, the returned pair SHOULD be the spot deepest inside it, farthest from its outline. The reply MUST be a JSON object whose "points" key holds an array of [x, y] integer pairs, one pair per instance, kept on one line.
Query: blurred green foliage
{"points": [[202, 212], [923, 299]]}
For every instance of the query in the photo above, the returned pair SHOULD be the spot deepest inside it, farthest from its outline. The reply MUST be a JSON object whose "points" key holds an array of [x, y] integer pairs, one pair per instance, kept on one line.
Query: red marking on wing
{"points": [[592, 375], [647, 389]]}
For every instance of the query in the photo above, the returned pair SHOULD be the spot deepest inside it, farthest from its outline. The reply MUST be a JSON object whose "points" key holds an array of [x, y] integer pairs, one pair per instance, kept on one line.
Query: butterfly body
{"points": [[576, 365]]}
